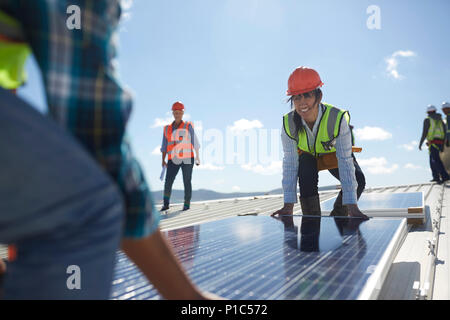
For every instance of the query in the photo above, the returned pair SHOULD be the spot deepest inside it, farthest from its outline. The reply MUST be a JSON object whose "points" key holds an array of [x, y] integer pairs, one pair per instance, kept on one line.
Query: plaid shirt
{"points": [[83, 92]]}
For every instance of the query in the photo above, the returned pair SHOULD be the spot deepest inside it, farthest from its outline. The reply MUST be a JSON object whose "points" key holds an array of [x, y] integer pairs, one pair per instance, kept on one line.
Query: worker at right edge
{"points": [[446, 111], [434, 132], [317, 136]]}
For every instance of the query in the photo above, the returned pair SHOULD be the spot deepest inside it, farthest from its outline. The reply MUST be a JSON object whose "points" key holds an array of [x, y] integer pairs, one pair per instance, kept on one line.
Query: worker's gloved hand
{"points": [[288, 208], [420, 147], [353, 211], [197, 161]]}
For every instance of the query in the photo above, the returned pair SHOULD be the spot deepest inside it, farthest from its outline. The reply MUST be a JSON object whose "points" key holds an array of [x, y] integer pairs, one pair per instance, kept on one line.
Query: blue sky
{"points": [[228, 61]]}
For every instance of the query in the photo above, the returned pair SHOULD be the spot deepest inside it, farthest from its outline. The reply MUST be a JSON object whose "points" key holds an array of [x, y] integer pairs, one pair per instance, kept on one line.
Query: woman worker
{"points": [[313, 133]]}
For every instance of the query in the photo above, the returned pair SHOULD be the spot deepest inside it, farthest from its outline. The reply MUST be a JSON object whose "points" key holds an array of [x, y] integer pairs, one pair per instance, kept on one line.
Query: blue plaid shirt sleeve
{"points": [[346, 166], [290, 168], [164, 142], [84, 94]]}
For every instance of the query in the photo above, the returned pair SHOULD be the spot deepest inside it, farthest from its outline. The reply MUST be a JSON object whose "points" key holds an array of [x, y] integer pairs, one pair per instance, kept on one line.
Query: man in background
{"points": [[446, 110], [179, 142]]}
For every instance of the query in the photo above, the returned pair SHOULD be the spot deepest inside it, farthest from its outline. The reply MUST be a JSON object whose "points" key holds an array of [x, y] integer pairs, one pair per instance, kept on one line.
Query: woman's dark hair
{"points": [[297, 118], [298, 122], [317, 93]]}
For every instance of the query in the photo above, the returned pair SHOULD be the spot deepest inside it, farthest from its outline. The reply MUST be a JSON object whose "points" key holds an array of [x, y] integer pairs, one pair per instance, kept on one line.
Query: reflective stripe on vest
{"points": [[13, 52], [179, 143], [353, 137], [327, 133]]}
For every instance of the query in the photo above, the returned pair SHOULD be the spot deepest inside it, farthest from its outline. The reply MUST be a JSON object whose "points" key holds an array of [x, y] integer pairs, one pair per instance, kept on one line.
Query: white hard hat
{"points": [[445, 105], [431, 108]]}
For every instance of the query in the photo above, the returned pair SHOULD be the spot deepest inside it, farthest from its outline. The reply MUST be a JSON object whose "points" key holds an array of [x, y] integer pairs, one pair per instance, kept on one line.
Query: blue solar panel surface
{"points": [[369, 201], [267, 258]]}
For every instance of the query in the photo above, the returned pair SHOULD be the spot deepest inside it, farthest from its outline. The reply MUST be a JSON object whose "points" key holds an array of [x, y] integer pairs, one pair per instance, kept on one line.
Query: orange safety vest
{"points": [[179, 144]]}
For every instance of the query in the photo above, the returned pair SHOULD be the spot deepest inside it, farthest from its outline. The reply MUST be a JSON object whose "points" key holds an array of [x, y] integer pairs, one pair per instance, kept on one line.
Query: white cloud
{"points": [[126, 12], [209, 166], [126, 4], [392, 62], [198, 125], [244, 125], [409, 146], [372, 133], [161, 122], [273, 168], [377, 165], [156, 151], [412, 166], [235, 188]]}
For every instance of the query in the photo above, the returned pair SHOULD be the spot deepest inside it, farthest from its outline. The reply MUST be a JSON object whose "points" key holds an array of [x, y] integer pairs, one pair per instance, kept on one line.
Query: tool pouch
{"points": [[328, 161]]}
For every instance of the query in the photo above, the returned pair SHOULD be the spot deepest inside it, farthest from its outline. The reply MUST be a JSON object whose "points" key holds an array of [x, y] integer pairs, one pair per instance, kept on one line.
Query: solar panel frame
{"points": [[414, 212], [374, 284], [135, 286]]}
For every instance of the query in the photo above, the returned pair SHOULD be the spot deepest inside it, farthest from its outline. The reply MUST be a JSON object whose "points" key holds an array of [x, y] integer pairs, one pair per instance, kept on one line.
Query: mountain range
{"points": [[177, 196]]}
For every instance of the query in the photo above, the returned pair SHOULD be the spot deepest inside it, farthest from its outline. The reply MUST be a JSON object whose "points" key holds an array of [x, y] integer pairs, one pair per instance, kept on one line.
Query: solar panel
{"points": [[295, 257], [386, 201]]}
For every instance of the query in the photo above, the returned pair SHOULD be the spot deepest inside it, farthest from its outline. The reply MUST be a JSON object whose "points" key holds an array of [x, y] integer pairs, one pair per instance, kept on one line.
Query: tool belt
{"points": [[328, 161], [436, 141]]}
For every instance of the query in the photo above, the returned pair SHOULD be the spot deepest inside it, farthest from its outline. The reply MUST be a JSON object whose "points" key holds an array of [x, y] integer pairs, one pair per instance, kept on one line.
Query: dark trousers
{"points": [[308, 178], [437, 167], [172, 171]]}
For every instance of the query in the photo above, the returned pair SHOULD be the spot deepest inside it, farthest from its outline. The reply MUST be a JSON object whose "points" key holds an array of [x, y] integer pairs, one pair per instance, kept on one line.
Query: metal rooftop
{"points": [[420, 269]]}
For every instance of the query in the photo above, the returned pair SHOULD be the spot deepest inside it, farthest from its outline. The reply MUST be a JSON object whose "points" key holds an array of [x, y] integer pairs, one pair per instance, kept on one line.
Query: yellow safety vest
{"points": [[13, 52], [435, 132], [328, 131]]}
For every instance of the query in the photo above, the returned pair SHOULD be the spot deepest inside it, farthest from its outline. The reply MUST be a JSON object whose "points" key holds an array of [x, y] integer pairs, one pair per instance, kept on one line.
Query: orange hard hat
{"points": [[178, 106], [303, 79]]}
